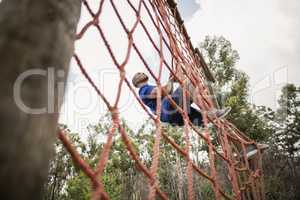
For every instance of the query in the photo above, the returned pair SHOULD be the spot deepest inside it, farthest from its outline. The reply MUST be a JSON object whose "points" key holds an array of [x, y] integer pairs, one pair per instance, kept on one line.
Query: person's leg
{"points": [[194, 114], [192, 95], [177, 96], [170, 111], [195, 117]]}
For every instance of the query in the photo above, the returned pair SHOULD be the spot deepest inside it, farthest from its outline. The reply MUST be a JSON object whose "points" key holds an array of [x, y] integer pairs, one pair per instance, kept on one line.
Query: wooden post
{"points": [[36, 42]]}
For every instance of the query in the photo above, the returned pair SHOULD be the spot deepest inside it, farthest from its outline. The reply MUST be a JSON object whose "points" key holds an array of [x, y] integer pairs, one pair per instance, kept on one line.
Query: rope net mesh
{"points": [[168, 40]]}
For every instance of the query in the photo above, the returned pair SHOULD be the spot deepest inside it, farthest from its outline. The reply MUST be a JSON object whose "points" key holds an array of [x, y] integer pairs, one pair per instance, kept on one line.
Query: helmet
{"points": [[139, 78]]}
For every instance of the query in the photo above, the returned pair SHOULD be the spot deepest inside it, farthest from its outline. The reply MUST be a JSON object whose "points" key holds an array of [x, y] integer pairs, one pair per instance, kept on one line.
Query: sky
{"points": [[265, 33]]}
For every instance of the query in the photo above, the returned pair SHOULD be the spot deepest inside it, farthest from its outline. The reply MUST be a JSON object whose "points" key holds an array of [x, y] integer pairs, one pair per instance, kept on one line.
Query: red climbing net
{"points": [[183, 62]]}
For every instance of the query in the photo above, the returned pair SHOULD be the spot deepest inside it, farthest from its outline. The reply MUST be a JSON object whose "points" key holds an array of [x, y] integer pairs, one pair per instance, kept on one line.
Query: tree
{"points": [[33, 35], [288, 118], [279, 128], [232, 86], [221, 58], [67, 181], [282, 162], [61, 169], [245, 115], [121, 178]]}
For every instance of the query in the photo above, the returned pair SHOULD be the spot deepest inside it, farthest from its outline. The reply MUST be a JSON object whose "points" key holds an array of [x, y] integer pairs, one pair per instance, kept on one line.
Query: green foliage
{"points": [[288, 118], [78, 188], [232, 87], [121, 178], [221, 58], [61, 169], [280, 128], [282, 162], [206, 190]]}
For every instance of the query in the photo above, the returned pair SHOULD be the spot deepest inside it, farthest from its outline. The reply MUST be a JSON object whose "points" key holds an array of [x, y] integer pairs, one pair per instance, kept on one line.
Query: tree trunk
{"points": [[34, 34]]}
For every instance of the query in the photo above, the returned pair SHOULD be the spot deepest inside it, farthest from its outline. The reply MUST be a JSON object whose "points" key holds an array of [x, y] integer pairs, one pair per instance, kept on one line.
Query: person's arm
{"points": [[166, 89]]}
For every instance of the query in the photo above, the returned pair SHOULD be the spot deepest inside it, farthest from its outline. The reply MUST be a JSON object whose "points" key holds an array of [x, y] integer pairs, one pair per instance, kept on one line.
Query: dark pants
{"points": [[173, 115]]}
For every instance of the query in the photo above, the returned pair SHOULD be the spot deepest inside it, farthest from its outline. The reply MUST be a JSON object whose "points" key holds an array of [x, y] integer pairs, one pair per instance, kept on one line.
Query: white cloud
{"points": [[266, 34]]}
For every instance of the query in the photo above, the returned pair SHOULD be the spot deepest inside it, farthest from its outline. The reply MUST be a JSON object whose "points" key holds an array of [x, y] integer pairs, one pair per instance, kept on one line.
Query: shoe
{"points": [[263, 147], [219, 113], [252, 150]]}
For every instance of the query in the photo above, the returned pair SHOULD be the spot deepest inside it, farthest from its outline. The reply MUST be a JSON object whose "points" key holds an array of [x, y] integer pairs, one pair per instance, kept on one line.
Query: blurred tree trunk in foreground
{"points": [[34, 34]]}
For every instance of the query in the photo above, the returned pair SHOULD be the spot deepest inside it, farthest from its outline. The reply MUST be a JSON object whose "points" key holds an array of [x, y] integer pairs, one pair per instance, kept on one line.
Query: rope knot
{"points": [[122, 72], [114, 114]]}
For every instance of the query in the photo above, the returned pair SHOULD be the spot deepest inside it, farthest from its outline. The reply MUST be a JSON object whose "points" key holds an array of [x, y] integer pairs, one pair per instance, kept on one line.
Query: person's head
{"points": [[139, 79]]}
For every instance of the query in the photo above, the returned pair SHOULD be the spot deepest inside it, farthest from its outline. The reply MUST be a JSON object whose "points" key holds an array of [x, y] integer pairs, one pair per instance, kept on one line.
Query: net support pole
{"points": [[36, 41]]}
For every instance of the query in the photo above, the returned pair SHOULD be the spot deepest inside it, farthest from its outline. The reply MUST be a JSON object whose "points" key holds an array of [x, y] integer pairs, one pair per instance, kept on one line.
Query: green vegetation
{"points": [[279, 128]]}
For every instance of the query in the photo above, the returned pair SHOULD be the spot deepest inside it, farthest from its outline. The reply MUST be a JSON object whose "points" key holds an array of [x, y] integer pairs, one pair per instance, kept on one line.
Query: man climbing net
{"points": [[244, 171], [169, 113]]}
